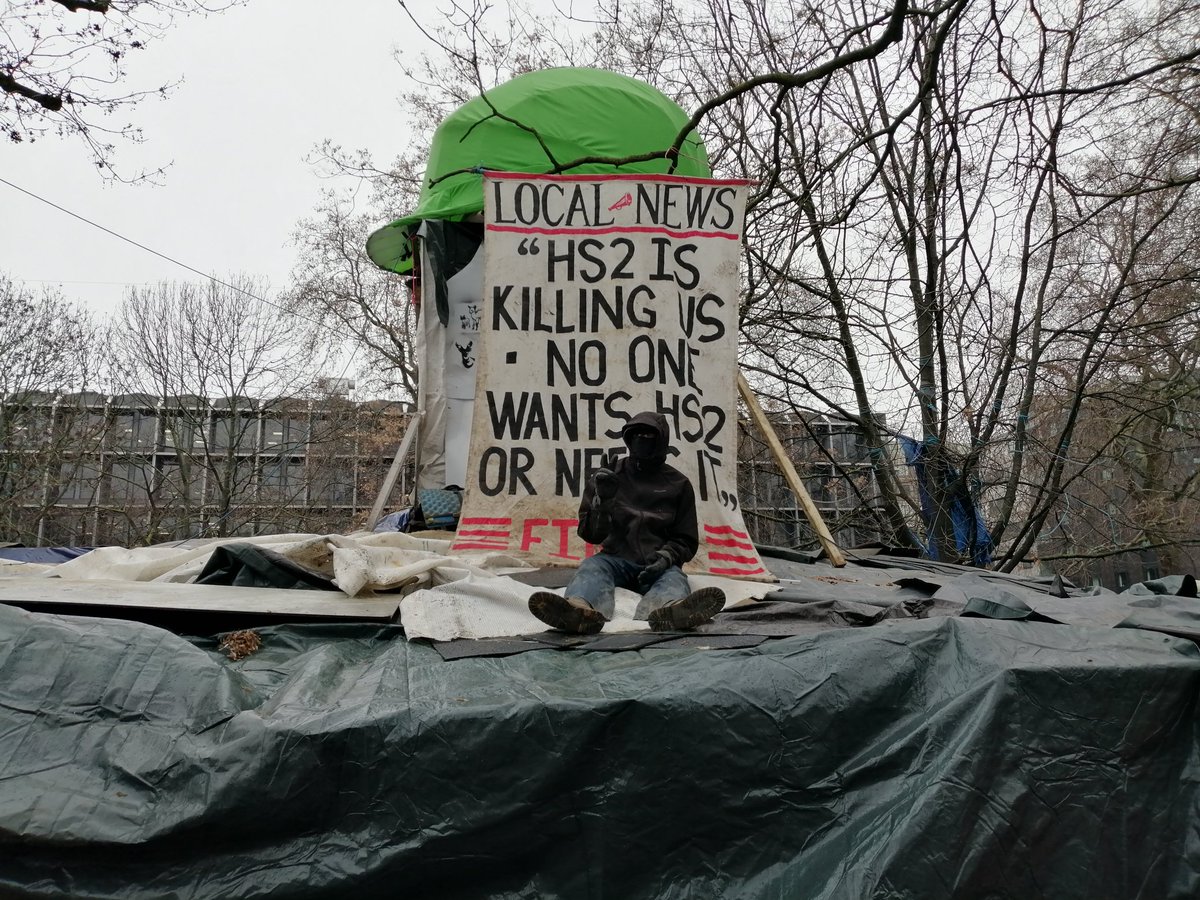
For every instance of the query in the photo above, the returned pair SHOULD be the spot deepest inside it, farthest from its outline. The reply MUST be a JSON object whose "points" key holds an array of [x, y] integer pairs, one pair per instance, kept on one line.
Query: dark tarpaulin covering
{"points": [[246, 565], [916, 758]]}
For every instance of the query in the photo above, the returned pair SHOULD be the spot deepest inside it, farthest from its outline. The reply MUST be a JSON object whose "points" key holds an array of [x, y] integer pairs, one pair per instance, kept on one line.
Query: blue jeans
{"points": [[598, 577]]}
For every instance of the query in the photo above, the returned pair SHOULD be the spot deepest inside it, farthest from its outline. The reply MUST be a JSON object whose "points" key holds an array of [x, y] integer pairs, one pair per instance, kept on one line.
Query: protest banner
{"points": [[604, 295]]}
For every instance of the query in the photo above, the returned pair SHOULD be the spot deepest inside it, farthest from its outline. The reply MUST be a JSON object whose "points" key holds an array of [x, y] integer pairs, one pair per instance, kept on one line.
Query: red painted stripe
{"points": [[730, 542], [725, 529], [715, 571], [617, 229], [483, 532], [613, 176], [733, 557], [483, 521]]}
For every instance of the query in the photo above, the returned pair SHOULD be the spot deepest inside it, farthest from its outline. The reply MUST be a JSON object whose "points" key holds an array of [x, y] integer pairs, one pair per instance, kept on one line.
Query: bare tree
{"points": [[1128, 478], [63, 64], [909, 251], [359, 306], [47, 343], [968, 224], [204, 357], [47, 353]]}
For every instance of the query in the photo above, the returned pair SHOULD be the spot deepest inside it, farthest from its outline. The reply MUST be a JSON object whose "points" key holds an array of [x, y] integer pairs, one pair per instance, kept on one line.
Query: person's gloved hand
{"points": [[606, 484], [651, 573]]}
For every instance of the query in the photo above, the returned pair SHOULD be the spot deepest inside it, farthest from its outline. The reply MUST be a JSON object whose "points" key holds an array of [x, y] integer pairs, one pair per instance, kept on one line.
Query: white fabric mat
{"points": [[486, 607], [445, 597]]}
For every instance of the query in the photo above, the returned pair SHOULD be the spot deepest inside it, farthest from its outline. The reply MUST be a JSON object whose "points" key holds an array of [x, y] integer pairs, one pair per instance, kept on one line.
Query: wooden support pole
{"points": [[789, 473], [389, 482]]}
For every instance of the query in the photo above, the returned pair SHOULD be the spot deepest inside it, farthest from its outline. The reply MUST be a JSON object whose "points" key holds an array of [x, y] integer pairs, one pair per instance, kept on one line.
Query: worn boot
{"points": [[694, 609], [569, 614]]}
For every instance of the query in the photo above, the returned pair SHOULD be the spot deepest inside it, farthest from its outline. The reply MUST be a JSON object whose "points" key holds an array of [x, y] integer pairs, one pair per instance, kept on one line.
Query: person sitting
{"points": [[641, 512]]}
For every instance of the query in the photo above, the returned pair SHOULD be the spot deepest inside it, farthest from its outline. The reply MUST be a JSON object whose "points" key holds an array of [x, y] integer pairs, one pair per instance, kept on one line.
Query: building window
{"points": [[22, 428], [1122, 579], [181, 481], [131, 481], [332, 487], [283, 480], [236, 432], [180, 433], [136, 430], [821, 487], [80, 481], [284, 433], [83, 427]]}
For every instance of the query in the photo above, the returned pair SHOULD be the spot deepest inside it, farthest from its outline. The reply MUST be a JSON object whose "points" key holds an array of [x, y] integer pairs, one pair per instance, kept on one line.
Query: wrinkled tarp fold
{"points": [[915, 758], [245, 565]]}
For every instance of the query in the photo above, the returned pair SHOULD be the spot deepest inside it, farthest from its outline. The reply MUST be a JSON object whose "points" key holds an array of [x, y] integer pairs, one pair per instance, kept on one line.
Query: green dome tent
{"points": [[575, 112]]}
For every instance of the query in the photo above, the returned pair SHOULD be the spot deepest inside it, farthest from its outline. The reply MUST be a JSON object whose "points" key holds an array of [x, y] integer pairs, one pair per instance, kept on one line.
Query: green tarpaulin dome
{"points": [[576, 113]]}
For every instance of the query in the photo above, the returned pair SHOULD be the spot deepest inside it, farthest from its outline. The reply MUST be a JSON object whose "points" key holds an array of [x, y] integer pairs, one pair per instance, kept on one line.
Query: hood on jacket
{"points": [[656, 421]]}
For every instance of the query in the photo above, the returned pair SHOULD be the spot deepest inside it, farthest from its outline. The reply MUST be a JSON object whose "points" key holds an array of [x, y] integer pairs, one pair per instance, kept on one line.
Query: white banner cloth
{"points": [[604, 296]]}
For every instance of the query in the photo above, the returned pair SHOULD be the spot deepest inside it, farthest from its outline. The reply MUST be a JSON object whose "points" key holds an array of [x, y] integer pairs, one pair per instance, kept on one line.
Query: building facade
{"points": [[91, 470], [129, 470]]}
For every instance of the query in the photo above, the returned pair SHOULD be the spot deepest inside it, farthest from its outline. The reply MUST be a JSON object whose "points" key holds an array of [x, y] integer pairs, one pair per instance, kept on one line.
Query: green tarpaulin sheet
{"points": [[916, 758], [531, 124]]}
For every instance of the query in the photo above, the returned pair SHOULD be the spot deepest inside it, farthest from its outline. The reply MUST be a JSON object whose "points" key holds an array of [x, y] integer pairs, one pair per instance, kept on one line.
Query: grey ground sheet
{"points": [[864, 732]]}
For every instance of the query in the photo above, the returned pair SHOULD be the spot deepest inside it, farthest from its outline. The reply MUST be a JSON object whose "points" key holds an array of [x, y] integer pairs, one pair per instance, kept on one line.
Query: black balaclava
{"points": [[647, 437]]}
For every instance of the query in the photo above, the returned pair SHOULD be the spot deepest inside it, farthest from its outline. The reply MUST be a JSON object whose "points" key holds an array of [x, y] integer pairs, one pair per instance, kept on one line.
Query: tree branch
{"points": [[51, 102], [96, 6]]}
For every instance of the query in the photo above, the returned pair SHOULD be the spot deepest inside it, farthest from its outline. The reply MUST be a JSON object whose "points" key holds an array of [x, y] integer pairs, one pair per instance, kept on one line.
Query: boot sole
{"points": [[694, 609], [561, 615]]}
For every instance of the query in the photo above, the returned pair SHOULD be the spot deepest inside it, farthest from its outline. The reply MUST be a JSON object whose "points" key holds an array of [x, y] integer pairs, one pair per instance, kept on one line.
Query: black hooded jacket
{"points": [[654, 509]]}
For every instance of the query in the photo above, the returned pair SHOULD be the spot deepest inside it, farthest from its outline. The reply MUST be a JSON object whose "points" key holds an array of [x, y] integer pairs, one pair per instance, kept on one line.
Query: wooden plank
{"points": [[30, 592], [389, 481], [789, 473]]}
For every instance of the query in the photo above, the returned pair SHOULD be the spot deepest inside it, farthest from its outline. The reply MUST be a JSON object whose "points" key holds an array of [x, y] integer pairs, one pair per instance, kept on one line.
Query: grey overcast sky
{"points": [[262, 84]]}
